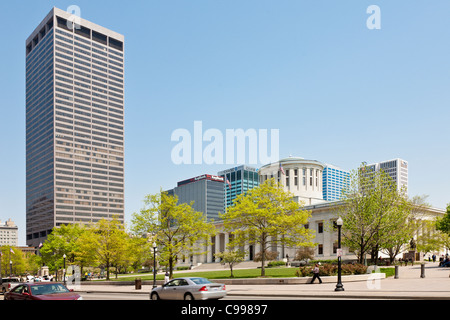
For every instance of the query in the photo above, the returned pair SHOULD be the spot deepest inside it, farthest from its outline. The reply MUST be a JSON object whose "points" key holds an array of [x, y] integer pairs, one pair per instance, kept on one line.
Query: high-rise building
{"points": [[207, 193], [74, 124], [238, 180], [9, 233], [397, 169], [335, 180]]}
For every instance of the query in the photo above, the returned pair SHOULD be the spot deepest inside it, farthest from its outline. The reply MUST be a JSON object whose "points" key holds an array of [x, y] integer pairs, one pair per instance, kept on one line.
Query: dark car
{"points": [[41, 291]]}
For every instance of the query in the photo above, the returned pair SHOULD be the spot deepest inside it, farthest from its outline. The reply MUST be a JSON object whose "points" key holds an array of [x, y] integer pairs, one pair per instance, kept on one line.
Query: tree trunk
{"points": [[170, 267], [107, 270]]}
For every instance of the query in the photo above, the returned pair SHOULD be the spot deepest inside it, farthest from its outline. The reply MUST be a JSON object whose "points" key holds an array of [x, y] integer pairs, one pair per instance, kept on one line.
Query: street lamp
{"points": [[339, 286], [64, 270], [10, 268], [154, 264]]}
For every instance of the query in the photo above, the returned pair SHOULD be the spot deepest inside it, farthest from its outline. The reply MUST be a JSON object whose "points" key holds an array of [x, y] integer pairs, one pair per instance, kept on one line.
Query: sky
{"points": [[337, 91]]}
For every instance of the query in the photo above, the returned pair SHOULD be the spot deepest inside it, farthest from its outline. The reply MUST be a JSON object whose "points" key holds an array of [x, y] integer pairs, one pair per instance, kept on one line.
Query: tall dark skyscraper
{"points": [[74, 124]]}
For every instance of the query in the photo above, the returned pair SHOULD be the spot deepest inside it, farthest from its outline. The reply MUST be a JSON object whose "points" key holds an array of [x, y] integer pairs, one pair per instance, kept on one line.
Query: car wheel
{"points": [[188, 296], [154, 296]]}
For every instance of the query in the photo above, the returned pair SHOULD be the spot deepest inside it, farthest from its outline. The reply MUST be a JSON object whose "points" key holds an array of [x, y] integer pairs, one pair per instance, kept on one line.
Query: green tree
{"points": [[372, 210], [176, 228], [443, 223], [231, 258], [267, 216], [104, 243], [19, 265], [62, 240]]}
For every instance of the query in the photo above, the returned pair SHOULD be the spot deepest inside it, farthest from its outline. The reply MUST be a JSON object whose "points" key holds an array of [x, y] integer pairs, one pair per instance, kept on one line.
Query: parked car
{"points": [[41, 291], [189, 288], [8, 283]]}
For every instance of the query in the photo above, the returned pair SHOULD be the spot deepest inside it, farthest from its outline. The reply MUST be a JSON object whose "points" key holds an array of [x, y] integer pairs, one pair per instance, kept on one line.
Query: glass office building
{"points": [[334, 181], [74, 124], [240, 180], [206, 191]]}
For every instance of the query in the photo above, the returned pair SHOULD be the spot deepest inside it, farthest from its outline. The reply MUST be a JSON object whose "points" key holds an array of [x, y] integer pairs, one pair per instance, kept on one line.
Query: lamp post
{"points": [[64, 269], [154, 264], [339, 286], [10, 268]]}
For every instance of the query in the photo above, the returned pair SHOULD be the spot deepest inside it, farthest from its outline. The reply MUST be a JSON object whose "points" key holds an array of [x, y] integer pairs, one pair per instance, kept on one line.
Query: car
{"points": [[189, 288], [41, 291], [8, 283]]}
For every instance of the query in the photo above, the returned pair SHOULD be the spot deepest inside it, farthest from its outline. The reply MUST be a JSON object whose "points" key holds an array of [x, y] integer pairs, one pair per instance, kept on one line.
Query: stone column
{"points": [[217, 246]]}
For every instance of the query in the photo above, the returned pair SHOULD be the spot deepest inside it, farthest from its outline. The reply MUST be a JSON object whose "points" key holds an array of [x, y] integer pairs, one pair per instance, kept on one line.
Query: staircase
{"points": [[215, 266]]}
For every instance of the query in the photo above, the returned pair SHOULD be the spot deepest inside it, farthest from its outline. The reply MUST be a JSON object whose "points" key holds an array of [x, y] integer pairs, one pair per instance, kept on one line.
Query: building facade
{"points": [[9, 233], [323, 215], [207, 193], [74, 124], [335, 180], [237, 181], [301, 177], [397, 169]]}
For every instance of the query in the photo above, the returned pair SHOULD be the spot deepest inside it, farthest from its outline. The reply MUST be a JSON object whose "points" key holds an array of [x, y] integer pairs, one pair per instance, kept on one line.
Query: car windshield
{"points": [[200, 280], [38, 290]]}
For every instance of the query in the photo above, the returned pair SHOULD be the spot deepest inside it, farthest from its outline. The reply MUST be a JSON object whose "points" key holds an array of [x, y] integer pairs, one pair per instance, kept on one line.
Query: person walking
{"points": [[166, 277], [316, 271]]}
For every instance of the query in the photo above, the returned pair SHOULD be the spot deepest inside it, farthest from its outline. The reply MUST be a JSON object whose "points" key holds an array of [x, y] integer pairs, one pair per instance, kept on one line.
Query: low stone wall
{"points": [[254, 281]]}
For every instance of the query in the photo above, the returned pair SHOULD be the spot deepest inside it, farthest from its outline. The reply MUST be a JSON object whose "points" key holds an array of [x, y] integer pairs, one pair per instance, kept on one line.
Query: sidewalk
{"points": [[409, 285]]}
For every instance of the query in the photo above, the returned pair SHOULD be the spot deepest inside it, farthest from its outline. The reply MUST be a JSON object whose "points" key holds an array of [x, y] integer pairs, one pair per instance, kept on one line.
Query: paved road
{"points": [[137, 297]]}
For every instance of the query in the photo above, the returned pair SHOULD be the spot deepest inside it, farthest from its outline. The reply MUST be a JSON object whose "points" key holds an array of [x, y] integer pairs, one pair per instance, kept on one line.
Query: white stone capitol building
{"points": [[302, 178]]}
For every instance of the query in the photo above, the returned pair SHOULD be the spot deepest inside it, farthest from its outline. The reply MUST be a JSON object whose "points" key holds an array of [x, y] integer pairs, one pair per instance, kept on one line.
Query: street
{"points": [[134, 296]]}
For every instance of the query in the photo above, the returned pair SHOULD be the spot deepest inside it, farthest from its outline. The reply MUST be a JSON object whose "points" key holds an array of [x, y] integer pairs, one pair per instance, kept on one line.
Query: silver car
{"points": [[189, 288]]}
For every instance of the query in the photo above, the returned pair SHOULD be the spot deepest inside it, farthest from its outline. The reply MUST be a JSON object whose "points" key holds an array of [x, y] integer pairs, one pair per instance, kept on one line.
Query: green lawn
{"points": [[222, 274], [281, 272]]}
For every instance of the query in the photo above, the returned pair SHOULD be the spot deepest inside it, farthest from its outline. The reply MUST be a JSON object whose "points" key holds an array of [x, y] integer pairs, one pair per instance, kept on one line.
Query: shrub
{"points": [[276, 263], [331, 270], [304, 271]]}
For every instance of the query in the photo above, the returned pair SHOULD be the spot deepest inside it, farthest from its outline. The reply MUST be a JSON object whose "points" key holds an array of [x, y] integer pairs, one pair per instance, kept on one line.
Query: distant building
{"points": [[334, 181], [207, 193], [9, 233], [397, 169], [238, 180]]}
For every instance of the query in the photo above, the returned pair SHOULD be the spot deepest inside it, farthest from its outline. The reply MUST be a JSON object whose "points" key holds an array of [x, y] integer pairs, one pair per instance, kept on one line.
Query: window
{"points": [[320, 227], [320, 249]]}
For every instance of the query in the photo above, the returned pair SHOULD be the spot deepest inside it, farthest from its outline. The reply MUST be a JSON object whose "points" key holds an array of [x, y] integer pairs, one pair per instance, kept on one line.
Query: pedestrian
{"points": [[166, 277], [434, 257], [316, 271]]}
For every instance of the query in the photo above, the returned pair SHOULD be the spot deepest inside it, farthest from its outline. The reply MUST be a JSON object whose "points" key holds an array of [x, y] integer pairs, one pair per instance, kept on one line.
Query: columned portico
{"points": [[322, 216]]}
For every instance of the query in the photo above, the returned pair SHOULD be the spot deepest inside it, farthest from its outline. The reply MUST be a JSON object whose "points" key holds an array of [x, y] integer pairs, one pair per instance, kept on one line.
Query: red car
{"points": [[41, 291]]}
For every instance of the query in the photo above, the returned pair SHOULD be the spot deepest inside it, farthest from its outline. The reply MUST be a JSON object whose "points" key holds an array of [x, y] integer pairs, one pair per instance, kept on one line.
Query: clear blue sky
{"points": [[337, 91]]}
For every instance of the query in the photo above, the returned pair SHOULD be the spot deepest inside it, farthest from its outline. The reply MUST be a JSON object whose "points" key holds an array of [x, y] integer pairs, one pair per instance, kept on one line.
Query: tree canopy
{"points": [[176, 228], [267, 216]]}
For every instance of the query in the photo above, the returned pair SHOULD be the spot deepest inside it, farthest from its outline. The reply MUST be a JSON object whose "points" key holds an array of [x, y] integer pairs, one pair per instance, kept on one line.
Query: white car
{"points": [[189, 288]]}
